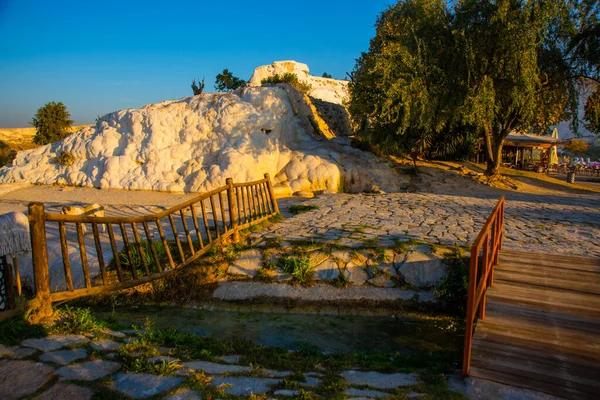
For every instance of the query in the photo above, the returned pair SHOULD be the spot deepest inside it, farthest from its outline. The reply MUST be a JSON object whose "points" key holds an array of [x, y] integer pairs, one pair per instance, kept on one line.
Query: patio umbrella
{"points": [[553, 153]]}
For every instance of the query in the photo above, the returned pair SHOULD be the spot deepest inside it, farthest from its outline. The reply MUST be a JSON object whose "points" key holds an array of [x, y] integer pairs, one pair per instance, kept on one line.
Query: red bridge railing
{"points": [[484, 257]]}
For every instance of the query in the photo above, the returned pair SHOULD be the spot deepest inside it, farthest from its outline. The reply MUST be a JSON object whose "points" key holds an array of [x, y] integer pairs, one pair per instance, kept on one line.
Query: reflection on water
{"points": [[330, 333]]}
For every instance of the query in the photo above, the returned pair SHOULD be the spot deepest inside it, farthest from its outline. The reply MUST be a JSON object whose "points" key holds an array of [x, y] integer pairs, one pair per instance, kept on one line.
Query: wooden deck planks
{"points": [[542, 326]]}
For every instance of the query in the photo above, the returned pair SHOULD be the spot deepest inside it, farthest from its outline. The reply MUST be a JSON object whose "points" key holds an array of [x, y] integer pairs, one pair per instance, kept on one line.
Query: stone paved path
{"points": [[550, 223], [36, 375], [42, 374]]}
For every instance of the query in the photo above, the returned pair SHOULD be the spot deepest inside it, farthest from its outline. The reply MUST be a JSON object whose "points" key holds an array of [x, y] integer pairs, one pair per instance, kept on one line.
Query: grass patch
{"points": [[76, 321], [15, 330], [299, 268], [302, 208]]}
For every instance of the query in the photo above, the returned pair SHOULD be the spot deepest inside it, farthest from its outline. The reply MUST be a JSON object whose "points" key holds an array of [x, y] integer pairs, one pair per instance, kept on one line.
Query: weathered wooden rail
{"points": [[484, 257], [148, 251]]}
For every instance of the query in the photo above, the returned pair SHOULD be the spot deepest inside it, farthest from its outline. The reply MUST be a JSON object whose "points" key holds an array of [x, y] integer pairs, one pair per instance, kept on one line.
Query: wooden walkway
{"points": [[542, 325]]}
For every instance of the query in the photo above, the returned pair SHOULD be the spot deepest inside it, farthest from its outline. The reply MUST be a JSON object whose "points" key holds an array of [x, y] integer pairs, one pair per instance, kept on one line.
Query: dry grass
{"points": [[21, 138]]}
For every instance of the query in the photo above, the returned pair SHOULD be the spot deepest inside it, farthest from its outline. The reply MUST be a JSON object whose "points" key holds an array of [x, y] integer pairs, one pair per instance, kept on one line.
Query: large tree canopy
{"points": [[437, 74]]}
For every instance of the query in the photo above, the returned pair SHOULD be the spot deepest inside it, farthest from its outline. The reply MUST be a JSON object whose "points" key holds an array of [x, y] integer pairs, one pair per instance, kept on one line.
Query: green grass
{"points": [[299, 268], [302, 208], [15, 330], [76, 321]]}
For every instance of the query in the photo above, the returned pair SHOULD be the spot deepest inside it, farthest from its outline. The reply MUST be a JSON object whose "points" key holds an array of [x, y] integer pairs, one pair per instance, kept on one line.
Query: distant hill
{"points": [[21, 138]]}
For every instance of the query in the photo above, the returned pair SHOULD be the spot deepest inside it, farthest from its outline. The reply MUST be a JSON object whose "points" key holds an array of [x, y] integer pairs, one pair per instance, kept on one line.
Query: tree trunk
{"points": [[493, 164]]}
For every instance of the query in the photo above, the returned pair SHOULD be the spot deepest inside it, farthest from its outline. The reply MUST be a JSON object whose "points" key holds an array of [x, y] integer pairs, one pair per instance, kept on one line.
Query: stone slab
{"points": [[105, 345], [56, 342], [365, 393], [141, 386], [379, 380], [66, 391], [116, 334], [184, 394], [64, 357], [214, 368], [248, 263], [421, 268], [20, 379], [232, 359], [244, 386], [21, 352], [89, 370], [326, 270], [311, 381]]}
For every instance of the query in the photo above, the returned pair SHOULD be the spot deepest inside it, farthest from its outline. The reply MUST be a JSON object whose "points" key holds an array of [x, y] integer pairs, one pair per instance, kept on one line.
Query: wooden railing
{"points": [[484, 257], [142, 249]]}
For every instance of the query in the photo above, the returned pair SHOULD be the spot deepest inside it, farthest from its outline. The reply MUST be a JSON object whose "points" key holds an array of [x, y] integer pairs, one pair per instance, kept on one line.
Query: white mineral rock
{"points": [[195, 143], [331, 90]]}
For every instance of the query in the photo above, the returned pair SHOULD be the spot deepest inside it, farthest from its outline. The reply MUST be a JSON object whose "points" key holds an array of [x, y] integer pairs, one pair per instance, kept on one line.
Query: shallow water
{"points": [[330, 333]]}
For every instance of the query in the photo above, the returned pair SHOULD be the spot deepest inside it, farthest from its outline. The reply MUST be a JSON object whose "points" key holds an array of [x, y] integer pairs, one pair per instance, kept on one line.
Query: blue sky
{"points": [[102, 56]]}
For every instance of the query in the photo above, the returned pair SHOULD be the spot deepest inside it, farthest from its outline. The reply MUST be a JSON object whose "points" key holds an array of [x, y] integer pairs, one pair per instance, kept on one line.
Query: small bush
{"points": [[302, 208], [299, 268], [453, 289], [289, 78], [7, 155], [65, 158], [76, 321]]}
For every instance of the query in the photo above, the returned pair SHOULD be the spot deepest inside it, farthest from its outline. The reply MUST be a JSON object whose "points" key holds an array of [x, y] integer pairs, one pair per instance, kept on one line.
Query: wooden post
{"points": [[8, 283], [232, 210], [39, 251], [272, 193]]}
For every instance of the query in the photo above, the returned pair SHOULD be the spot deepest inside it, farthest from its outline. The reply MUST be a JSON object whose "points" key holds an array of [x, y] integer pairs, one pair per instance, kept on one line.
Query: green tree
{"points": [[436, 73], [326, 75], [225, 81], [592, 113], [577, 146], [52, 123]]}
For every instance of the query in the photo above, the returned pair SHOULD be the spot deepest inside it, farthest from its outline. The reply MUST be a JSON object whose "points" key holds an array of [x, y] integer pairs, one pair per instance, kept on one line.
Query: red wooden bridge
{"points": [[539, 317]]}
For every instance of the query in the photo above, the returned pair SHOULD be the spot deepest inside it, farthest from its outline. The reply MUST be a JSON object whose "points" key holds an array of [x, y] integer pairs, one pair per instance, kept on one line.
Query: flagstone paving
{"points": [[556, 223], [36, 378]]}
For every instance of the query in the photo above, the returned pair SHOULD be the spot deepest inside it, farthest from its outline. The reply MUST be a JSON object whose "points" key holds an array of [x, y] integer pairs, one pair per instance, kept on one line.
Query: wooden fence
{"points": [[484, 257], [142, 250]]}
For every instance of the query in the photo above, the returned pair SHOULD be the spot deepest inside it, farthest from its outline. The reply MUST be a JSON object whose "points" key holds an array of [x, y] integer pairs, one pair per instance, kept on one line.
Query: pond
{"points": [[329, 333]]}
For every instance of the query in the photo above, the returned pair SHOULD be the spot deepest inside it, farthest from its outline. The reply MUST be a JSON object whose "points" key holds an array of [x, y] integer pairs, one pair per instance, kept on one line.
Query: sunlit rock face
{"points": [[195, 143], [327, 89]]}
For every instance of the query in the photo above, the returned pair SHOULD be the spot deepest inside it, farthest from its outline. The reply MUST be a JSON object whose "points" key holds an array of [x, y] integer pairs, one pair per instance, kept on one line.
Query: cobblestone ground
{"points": [[543, 223]]}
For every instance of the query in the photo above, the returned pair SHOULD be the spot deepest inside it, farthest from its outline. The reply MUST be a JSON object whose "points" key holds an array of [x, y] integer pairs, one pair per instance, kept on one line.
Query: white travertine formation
{"points": [[327, 89], [195, 143]]}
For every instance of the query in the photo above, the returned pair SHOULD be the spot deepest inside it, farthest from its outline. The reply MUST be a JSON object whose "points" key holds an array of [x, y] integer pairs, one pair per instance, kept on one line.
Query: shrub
{"points": [[225, 81], [289, 78], [7, 155], [453, 289], [76, 321], [198, 89], [65, 158], [52, 123], [298, 268]]}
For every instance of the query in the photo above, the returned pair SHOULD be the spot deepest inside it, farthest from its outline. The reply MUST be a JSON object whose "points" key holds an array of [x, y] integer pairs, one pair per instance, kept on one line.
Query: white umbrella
{"points": [[553, 152]]}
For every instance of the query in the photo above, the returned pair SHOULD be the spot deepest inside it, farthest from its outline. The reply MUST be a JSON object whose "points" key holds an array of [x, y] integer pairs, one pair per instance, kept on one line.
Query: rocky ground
{"points": [[99, 366]]}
